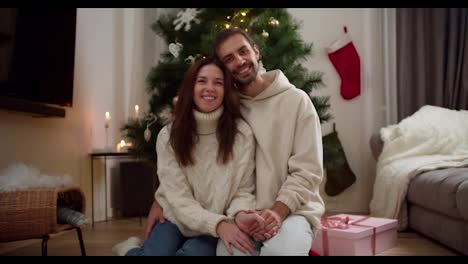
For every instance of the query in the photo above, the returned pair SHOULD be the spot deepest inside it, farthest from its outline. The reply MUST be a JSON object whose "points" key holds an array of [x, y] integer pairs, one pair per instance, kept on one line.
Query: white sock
{"points": [[123, 247]]}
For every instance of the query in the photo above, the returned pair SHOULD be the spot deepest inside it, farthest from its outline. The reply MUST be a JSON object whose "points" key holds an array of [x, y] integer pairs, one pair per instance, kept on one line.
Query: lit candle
{"points": [[136, 111], [107, 119], [123, 146]]}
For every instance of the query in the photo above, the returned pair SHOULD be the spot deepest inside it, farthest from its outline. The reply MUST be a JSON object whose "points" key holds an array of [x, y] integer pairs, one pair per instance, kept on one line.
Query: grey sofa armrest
{"points": [[376, 145]]}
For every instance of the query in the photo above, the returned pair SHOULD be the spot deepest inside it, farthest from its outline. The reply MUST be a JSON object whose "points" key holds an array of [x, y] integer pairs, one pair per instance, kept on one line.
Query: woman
{"points": [[206, 171]]}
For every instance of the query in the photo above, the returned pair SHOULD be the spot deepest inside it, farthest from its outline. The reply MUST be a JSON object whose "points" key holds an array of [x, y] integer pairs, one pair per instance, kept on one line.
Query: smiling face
{"points": [[240, 58], [208, 91]]}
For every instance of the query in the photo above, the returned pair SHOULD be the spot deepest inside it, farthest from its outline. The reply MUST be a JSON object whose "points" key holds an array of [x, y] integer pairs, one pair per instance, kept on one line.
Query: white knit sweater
{"points": [[196, 198], [289, 163]]}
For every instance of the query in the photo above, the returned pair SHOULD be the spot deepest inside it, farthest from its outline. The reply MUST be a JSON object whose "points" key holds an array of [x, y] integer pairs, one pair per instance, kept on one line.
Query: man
{"points": [[289, 165]]}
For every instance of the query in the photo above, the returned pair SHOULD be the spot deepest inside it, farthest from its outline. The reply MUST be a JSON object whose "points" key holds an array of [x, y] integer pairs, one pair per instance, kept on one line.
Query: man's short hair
{"points": [[227, 33]]}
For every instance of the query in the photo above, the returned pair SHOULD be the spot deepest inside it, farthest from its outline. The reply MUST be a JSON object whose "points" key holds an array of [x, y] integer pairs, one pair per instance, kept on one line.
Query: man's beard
{"points": [[252, 76]]}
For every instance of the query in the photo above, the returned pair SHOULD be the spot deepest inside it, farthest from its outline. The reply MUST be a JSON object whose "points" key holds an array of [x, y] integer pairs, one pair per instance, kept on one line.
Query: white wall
{"points": [[358, 118]]}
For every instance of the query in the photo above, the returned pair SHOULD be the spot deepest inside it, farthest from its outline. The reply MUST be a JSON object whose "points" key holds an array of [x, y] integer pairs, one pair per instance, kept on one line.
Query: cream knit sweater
{"points": [[196, 198], [289, 163]]}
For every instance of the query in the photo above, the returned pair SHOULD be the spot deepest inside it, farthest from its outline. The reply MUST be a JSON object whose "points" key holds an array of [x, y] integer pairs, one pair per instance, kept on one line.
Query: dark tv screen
{"points": [[37, 54]]}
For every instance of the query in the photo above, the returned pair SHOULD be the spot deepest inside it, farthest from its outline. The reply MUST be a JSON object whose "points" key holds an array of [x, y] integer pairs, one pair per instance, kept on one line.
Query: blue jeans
{"points": [[167, 240]]}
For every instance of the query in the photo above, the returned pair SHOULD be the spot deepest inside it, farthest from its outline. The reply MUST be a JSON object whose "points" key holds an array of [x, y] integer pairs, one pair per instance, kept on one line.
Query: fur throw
{"points": [[19, 176], [432, 138]]}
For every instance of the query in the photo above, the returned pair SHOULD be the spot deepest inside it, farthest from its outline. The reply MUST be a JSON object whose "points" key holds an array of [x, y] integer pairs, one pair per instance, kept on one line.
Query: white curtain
{"points": [[140, 51], [389, 49]]}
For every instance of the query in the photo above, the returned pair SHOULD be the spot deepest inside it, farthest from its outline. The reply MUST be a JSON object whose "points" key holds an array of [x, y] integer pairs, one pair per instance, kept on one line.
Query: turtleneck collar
{"points": [[207, 122]]}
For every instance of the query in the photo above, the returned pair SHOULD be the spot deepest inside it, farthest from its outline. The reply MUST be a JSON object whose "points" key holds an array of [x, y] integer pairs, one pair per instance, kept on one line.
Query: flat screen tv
{"points": [[37, 55]]}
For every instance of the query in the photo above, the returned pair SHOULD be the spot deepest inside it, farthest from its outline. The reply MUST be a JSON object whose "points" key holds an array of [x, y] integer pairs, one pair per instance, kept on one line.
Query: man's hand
{"points": [[232, 235], [155, 215], [247, 221], [273, 219], [272, 224]]}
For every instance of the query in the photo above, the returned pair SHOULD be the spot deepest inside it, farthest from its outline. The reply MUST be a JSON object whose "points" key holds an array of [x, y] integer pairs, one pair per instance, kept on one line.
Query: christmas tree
{"points": [[190, 33]]}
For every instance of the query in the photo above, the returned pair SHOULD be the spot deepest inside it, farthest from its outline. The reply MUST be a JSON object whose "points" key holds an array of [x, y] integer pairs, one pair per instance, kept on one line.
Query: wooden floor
{"points": [[99, 241]]}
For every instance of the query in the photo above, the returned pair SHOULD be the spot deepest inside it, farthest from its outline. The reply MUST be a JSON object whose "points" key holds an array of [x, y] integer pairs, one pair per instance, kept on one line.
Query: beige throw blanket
{"points": [[432, 138]]}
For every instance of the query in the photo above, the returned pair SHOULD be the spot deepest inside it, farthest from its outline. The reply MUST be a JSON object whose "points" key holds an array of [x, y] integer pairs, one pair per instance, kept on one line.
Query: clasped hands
{"points": [[260, 225]]}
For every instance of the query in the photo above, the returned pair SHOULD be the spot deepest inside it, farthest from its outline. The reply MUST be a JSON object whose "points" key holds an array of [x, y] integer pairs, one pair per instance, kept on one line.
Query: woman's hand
{"points": [[232, 235], [247, 221], [155, 215], [272, 224]]}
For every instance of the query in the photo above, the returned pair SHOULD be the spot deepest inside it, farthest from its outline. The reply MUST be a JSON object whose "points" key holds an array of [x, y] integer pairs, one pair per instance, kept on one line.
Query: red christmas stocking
{"points": [[345, 58]]}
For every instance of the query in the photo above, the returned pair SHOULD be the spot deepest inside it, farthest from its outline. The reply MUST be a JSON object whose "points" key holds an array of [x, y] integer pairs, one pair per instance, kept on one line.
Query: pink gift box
{"points": [[360, 236]]}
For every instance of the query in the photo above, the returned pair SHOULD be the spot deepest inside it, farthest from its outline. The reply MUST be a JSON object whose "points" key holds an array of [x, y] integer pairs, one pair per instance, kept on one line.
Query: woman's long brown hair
{"points": [[183, 135]]}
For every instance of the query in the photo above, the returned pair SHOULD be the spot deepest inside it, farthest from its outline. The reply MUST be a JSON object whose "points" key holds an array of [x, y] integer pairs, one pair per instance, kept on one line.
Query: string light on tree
{"points": [[239, 19], [265, 34]]}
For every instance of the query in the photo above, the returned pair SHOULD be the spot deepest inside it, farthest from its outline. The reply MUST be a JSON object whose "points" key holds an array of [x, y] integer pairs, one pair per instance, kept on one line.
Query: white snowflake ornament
{"points": [[186, 17]]}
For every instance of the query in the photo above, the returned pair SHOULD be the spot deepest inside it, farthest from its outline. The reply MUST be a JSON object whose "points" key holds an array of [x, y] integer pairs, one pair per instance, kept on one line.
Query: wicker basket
{"points": [[32, 213]]}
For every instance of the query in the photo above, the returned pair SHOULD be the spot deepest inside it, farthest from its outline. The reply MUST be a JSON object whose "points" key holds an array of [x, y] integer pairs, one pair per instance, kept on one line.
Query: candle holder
{"points": [[137, 108], [106, 126]]}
